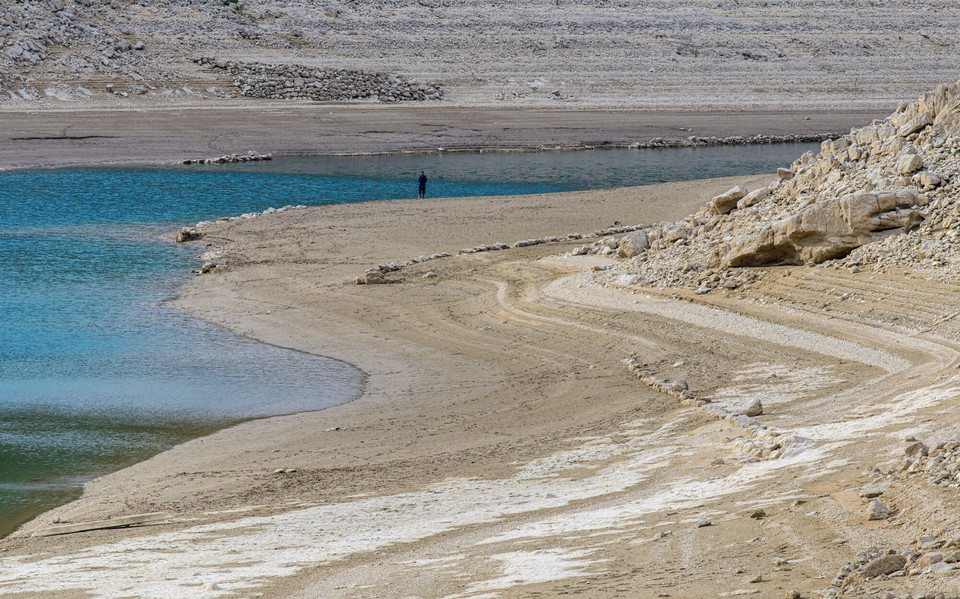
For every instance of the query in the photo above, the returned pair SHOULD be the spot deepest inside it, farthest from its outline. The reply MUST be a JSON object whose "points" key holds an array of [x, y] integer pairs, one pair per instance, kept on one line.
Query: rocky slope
{"points": [[883, 196], [669, 54]]}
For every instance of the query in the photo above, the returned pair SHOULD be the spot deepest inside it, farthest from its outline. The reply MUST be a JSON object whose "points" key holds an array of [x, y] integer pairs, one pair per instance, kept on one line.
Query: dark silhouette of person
{"points": [[423, 185]]}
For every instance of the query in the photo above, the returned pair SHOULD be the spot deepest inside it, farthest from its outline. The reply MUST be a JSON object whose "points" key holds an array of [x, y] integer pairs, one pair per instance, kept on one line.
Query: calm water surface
{"points": [[96, 374]]}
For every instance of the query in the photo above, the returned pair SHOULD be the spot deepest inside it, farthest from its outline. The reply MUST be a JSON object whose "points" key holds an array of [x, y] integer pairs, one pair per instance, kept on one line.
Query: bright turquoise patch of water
{"points": [[96, 374]]}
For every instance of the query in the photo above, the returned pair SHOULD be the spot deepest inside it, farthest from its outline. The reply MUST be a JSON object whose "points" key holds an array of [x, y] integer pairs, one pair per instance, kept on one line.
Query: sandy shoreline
{"points": [[159, 135], [499, 378], [500, 448], [553, 212]]}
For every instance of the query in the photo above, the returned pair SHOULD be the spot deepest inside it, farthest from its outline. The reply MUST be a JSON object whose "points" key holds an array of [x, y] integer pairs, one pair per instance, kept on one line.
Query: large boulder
{"points": [[909, 163], [754, 196], [633, 244], [915, 124], [887, 564], [727, 201], [752, 408], [826, 229]]}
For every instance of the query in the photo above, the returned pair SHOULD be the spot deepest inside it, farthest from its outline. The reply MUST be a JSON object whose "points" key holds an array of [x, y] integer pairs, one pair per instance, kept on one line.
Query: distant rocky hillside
{"points": [[631, 53]]}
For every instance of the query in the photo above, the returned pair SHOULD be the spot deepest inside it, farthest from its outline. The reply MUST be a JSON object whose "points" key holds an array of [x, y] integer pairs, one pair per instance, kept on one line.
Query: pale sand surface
{"points": [[79, 136], [500, 448]]}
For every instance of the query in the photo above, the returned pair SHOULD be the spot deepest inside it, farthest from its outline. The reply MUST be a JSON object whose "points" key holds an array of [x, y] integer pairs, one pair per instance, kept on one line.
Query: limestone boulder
{"points": [[926, 179], [827, 229], [886, 564], [908, 164], [915, 124], [753, 197], [877, 511], [832, 147], [727, 201], [633, 244], [752, 408]]}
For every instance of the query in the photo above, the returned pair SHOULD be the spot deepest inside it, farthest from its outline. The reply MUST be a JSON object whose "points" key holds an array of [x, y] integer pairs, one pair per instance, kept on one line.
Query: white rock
{"points": [[877, 511], [908, 163], [633, 244], [727, 201], [752, 408]]}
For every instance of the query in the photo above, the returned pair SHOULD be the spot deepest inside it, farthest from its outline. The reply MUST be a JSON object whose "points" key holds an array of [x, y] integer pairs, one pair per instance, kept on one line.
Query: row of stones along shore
{"points": [[298, 82]]}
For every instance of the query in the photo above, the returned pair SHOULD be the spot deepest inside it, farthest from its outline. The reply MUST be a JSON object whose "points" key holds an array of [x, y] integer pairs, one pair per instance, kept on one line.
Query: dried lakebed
{"points": [[635, 494], [98, 374]]}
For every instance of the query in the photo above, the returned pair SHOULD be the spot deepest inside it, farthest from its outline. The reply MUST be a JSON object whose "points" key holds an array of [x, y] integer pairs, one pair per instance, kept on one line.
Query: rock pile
{"points": [[940, 465], [139, 46], [52, 49], [292, 81], [694, 141], [377, 275], [248, 157], [931, 556], [893, 184], [657, 238]]}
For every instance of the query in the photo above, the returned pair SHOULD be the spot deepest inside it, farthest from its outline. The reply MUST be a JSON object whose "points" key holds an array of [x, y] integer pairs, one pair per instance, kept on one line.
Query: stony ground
{"points": [[705, 54], [883, 198]]}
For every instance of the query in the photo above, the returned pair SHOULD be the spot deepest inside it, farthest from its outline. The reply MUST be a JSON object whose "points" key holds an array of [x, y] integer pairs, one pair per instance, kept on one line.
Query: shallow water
{"points": [[96, 374]]}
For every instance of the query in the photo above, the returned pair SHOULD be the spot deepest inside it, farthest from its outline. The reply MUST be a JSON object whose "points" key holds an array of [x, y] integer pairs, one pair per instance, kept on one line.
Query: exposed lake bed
{"points": [[609, 372], [99, 374], [499, 447]]}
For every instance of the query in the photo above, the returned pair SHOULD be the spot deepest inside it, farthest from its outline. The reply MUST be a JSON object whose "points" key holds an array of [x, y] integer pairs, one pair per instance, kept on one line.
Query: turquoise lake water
{"points": [[96, 374]]}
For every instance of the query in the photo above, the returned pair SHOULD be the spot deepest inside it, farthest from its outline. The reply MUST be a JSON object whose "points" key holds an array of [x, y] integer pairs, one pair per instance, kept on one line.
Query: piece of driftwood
{"points": [[64, 529]]}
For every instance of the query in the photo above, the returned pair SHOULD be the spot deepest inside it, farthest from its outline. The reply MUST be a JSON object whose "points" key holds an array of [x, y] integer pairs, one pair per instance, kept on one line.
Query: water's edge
{"points": [[654, 143], [212, 427], [226, 424]]}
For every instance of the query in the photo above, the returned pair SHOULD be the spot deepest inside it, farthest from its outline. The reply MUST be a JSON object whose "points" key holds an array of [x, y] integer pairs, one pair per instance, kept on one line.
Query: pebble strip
{"points": [[764, 444], [736, 140], [248, 157], [375, 276]]}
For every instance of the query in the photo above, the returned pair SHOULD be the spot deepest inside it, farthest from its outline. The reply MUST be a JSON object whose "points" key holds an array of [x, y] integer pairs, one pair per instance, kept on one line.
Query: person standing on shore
{"points": [[423, 185]]}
